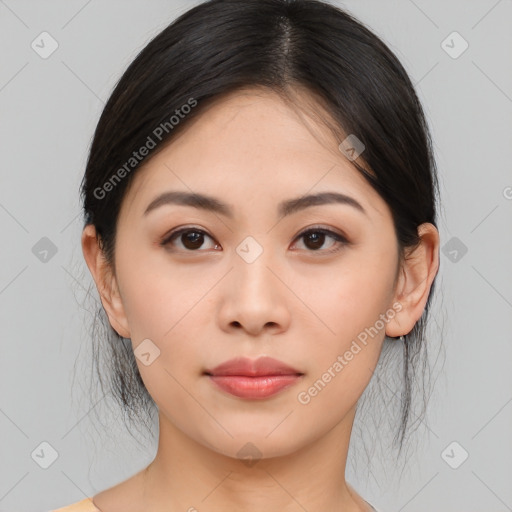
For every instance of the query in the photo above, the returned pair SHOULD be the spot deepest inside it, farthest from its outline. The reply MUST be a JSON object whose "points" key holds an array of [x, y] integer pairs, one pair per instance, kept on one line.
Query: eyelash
{"points": [[342, 241]]}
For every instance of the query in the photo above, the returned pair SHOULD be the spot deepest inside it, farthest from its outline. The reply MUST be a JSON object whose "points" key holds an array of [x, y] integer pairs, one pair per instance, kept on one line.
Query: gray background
{"points": [[48, 111]]}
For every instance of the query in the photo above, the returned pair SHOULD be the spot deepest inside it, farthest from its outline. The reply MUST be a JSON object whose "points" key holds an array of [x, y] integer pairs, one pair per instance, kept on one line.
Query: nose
{"points": [[255, 298]]}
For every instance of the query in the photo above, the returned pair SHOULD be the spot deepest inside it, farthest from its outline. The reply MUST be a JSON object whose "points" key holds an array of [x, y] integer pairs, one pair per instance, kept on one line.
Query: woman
{"points": [[260, 218]]}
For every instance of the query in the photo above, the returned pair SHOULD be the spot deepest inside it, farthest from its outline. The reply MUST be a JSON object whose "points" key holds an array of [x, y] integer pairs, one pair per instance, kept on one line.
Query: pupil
{"points": [[319, 239], [193, 237]]}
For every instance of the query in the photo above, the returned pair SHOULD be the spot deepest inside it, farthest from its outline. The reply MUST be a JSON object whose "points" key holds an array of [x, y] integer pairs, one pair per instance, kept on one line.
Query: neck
{"points": [[186, 475]]}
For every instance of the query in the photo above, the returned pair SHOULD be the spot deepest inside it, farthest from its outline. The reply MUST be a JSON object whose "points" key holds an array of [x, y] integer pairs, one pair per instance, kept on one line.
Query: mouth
{"points": [[253, 379]]}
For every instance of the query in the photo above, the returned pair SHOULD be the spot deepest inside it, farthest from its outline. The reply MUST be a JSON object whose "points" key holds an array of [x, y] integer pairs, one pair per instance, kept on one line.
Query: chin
{"points": [[254, 446]]}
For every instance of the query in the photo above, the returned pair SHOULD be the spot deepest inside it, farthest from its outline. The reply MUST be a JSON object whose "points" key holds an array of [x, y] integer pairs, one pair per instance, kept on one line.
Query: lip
{"points": [[253, 367], [254, 379]]}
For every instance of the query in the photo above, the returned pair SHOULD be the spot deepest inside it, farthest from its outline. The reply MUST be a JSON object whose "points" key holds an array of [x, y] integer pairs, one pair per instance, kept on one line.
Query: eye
{"points": [[315, 238], [193, 238]]}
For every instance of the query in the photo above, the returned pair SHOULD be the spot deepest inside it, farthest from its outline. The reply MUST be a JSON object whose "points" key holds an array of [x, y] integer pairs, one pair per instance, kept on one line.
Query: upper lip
{"points": [[253, 367]]}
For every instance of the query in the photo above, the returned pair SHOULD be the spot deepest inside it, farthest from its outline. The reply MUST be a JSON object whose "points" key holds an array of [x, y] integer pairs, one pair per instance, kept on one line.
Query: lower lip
{"points": [[254, 387]]}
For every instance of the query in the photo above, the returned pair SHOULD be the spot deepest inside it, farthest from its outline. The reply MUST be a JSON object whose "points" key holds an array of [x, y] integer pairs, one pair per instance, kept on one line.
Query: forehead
{"points": [[253, 143]]}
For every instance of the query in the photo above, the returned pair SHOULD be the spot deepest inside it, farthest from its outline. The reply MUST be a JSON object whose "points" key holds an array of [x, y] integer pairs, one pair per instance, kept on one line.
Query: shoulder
{"points": [[85, 505], [372, 508]]}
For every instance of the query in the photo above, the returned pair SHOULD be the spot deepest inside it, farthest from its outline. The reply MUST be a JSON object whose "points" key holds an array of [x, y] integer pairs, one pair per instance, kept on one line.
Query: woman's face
{"points": [[244, 282]]}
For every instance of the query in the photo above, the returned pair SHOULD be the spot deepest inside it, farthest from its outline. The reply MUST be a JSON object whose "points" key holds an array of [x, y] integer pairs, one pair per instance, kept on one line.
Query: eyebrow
{"points": [[285, 208]]}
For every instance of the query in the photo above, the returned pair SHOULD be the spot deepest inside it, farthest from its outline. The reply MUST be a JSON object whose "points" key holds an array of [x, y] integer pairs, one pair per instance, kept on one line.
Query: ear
{"points": [[105, 280], [415, 280]]}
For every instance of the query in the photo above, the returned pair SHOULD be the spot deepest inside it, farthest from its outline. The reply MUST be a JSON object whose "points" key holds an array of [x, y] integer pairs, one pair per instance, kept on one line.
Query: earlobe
{"points": [[415, 281], [106, 282]]}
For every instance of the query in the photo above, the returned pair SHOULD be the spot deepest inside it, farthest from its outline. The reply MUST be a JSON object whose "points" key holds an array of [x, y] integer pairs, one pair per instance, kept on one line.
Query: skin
{"points": [[298, 304]]}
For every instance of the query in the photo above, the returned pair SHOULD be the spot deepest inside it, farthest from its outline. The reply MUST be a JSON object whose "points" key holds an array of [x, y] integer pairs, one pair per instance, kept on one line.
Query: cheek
{"points": [[346, 354], [161, 307], [155, 294], [167, 307], [351, 297], [349, 304], [151, 309]]}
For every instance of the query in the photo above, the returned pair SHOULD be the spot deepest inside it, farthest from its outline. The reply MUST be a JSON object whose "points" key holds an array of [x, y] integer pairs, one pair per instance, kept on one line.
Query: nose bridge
{"points": [[252, 262], [253, 298]]}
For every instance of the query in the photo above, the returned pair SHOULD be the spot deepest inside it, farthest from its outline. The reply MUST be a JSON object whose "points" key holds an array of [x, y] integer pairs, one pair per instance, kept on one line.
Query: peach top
{"points": [[85, 505]]}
